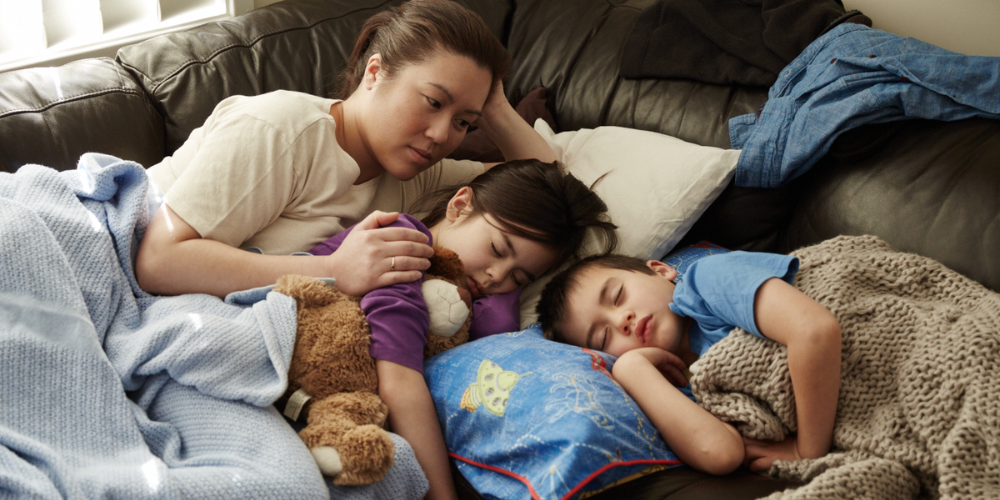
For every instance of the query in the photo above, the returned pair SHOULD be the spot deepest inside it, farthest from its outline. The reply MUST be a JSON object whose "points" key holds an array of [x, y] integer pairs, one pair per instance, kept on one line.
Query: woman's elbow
{"points": [[145, 269], [151, 269]]}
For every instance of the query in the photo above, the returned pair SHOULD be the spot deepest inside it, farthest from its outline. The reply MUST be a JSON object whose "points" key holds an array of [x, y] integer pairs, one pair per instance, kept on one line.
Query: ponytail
{"points": [[412, 32]]}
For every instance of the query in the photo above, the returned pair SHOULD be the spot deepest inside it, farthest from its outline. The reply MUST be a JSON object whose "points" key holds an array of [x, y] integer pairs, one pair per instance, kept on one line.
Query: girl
{"points": [[281, 171], [509, 226]]}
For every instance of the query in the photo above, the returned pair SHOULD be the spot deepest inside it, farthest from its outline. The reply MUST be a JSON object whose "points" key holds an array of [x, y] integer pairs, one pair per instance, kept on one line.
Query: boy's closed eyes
{"points": [[615, 310]]}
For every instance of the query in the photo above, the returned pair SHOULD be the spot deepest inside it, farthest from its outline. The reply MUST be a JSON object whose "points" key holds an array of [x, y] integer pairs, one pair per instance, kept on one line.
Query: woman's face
{"points": [[423, 112]]}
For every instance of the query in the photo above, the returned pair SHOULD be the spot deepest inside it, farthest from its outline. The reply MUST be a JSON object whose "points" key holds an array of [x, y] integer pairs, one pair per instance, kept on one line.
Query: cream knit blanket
{"points": [[919, 408]]}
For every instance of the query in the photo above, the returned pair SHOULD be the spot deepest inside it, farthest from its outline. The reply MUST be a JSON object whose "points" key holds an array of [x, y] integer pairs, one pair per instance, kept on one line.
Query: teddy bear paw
{"points": [[446, 307], [328, 460]]}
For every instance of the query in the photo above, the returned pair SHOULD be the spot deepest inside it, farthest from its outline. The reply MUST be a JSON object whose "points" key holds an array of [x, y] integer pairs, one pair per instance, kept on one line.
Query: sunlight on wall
{"points": [[965, 26]]}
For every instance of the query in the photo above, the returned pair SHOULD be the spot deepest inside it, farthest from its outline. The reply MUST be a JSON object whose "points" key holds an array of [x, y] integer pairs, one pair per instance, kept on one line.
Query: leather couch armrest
{"points": [[50, 116]]}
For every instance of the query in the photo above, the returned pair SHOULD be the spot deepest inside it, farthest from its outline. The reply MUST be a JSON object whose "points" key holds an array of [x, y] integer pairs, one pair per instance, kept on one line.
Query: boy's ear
{"points": [[372, 71], [461, 202], [662, 269]]}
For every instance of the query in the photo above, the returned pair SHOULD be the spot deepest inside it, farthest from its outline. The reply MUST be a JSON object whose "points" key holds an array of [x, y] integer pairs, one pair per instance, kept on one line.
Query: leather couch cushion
{"points": [[925, 187], [574, 48], [50, 116]]}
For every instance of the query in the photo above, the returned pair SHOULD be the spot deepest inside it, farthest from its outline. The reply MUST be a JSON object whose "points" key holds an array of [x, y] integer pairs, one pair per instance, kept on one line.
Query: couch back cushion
{"points": [[926, 187], [50, 116], [299, 45], [574, 49]]}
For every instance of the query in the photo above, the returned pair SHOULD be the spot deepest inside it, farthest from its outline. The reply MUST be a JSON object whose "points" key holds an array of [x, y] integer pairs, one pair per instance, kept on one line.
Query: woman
{"points": [[282, 171]]}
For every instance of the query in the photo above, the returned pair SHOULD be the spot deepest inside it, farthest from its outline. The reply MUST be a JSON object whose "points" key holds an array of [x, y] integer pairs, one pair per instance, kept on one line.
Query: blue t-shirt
{"points": [[718, 293]]}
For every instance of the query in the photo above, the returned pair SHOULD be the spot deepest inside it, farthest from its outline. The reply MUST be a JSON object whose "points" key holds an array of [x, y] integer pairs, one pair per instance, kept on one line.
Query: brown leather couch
{"points": [[927, 187]]}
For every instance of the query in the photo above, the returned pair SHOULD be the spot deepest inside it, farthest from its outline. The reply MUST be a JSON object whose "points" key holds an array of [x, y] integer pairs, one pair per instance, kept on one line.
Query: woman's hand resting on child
{"points": [[373, 256]]}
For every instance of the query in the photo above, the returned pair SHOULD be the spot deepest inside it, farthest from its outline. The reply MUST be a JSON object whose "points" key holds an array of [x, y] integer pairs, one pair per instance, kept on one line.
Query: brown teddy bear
{"points": [[332, 376]]}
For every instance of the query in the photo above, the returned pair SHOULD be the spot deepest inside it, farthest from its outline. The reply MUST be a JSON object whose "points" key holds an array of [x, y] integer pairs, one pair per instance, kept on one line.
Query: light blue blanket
{"points": [[109, 392]]}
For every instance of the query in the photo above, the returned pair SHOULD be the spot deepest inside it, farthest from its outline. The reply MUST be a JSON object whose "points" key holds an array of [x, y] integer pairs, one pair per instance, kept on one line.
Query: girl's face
{"points": [[423, 112], [494, 261]]}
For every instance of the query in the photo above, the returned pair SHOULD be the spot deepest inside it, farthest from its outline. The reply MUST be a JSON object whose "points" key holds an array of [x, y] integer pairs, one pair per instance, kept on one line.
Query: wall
{"points": [[967, 26]]}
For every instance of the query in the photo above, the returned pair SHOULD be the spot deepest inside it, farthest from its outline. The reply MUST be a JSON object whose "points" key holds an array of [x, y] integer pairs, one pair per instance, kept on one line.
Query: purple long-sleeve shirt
{"points": [[397, 314]]}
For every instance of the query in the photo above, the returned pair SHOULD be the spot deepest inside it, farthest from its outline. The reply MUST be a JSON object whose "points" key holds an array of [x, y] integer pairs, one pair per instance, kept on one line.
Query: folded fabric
{"points": [[726, 42], [851, 76]]}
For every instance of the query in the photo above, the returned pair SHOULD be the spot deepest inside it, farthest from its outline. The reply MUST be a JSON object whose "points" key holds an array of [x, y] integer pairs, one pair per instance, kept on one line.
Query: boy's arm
{"points": [[812, 335], [697, 437], [413, 417]]}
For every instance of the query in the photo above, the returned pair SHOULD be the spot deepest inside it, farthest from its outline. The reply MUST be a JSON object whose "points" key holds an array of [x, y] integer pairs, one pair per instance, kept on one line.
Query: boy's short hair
{"points": [[551, 308]]}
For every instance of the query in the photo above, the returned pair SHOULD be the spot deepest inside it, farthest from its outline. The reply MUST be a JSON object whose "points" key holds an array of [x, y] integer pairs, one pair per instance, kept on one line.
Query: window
{"points": [[53, 32]]}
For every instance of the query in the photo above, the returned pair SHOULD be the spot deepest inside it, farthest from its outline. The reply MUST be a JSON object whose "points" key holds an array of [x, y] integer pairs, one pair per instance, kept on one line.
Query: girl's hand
{"points": [[671, 366], [759, 455], [373, 256]]}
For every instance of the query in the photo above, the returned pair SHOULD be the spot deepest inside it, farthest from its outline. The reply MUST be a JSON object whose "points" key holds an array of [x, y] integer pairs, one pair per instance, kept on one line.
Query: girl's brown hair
{"points": [[412, 32], [534, 200]]}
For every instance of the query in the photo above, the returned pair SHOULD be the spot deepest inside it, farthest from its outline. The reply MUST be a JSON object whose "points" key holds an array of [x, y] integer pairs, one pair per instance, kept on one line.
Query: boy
{"points": [[633, 310]]}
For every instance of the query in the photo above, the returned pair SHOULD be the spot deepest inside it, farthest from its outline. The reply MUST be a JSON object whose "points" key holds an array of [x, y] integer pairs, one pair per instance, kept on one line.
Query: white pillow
{"points": [[656, 186]]}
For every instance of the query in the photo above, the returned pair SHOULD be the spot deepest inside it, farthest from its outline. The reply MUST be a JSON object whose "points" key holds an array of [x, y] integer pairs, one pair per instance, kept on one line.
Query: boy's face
{"points": [[615, 311]]}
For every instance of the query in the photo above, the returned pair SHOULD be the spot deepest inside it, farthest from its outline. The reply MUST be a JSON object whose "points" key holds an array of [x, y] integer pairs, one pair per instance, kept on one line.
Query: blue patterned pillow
{"points": [[529, 417]]}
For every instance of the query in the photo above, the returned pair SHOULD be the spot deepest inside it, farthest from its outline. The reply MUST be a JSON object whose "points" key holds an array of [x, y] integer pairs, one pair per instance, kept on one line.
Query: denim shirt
{"points": [[851, 76]]}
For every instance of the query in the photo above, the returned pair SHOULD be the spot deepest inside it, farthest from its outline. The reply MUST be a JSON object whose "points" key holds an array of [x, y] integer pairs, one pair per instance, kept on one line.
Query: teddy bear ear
{"points": [[445, 263]]}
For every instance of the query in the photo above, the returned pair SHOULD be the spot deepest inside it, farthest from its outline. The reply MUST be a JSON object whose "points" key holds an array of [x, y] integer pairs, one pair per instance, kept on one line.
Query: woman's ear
{"points": [[458, 204], [372, 70], [662, 269]]}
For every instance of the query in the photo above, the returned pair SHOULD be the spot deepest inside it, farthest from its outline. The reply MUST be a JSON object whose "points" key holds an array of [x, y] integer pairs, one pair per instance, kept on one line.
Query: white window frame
{"points": [[107, 45]]}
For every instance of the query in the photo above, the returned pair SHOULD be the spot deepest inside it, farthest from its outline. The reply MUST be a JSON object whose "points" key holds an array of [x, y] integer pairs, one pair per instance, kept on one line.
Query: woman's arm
{"points": [[812, 335], [174, 259], [413, 417], [515, 137], [697, 437]]}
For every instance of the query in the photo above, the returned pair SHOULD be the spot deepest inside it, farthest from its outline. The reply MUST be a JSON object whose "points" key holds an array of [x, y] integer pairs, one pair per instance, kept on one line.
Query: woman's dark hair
{"points": [[412, 32], [534, 200]]}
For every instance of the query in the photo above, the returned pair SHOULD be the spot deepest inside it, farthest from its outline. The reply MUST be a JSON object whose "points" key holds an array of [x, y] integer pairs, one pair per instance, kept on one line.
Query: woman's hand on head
{"points": [[496, 104], [373, 256], [515, 137]]}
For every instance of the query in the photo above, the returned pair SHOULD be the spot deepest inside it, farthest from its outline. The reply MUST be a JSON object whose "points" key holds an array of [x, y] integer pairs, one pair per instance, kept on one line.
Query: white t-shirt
{"points": [[267, 172]]}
